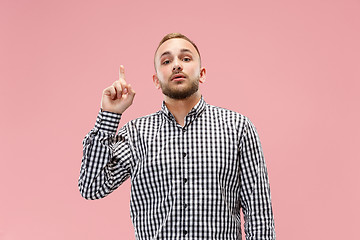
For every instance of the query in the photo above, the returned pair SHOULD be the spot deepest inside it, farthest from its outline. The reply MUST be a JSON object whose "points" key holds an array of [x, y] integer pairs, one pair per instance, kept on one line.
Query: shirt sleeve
{"points": [[106, 157], [255, 189]]}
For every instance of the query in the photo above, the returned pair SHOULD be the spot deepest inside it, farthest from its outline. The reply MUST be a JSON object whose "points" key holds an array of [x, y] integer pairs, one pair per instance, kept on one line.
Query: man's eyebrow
{"points": [[165, 53], [182, 50]]}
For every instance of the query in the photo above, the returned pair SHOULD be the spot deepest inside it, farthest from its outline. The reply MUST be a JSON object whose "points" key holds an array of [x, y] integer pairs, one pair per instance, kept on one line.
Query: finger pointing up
{"points": [[122, 72]]}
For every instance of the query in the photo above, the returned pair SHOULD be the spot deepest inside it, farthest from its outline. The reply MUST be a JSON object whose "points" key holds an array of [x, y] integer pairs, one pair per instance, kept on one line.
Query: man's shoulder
{"points": [[230, 118], [145, 121], [149, 117], [225, 112]]}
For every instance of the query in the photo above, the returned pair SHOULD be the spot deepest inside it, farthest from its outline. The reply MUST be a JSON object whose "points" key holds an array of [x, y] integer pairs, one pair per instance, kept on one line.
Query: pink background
{"points": [[292, 67]]}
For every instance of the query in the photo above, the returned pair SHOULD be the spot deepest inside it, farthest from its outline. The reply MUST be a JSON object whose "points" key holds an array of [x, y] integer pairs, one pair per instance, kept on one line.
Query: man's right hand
{"points": [[119, 96]]}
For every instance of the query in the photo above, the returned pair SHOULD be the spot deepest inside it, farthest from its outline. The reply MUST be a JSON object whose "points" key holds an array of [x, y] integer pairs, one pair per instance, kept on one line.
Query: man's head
{"points": [[178, 66]]}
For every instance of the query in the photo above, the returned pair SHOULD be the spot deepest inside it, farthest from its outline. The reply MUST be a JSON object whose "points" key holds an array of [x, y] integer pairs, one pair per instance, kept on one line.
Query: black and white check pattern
{"points": [[186, 182]]}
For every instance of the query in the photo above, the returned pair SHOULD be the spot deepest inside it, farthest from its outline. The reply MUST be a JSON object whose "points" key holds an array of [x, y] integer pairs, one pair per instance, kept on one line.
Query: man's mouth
{"points": [[178, 77]]}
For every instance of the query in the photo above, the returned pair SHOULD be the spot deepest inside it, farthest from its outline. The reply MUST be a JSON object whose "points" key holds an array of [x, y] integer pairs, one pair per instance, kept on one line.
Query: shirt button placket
{"points": [[185, 184]]}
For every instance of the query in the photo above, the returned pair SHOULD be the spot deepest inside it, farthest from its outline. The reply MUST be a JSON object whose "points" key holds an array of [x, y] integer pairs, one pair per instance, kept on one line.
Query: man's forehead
{"points": [[174, 45], [183, 50]]}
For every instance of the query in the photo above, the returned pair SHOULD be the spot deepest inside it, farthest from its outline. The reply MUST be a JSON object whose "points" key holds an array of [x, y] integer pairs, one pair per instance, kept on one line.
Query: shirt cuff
{"points": [[107, 122]]}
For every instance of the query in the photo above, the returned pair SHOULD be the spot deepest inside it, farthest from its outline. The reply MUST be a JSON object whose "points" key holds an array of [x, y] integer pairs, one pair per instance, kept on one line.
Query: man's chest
{"points": [[203, 152]]}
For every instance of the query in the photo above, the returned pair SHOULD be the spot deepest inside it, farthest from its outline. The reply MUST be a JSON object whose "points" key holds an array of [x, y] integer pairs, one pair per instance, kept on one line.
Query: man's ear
{"points": [[156, 81], [202, 75]]}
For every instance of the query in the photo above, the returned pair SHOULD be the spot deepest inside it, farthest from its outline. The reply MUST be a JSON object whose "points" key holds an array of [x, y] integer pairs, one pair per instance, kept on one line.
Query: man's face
{"points": [[178, 71]]}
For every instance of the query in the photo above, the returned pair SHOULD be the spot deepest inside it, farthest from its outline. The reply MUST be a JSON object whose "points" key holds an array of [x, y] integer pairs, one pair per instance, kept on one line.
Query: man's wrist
{"points": [[108, 121], [102, 110]]}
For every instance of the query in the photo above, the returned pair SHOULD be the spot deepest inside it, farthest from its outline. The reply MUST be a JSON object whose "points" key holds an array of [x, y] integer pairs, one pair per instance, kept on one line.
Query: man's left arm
{"points": [[255, 188]]}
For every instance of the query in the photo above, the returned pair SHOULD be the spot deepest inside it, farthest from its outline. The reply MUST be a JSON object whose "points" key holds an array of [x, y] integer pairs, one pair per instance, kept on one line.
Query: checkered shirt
{"points": [[187, 182]]}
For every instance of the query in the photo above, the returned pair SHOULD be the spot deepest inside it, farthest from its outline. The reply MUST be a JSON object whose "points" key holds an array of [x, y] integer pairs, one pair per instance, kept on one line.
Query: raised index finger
{"points": [[122, 72]]}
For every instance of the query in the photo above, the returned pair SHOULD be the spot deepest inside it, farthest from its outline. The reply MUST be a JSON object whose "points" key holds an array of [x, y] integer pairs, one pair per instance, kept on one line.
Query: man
{"points": [[192, 165]]}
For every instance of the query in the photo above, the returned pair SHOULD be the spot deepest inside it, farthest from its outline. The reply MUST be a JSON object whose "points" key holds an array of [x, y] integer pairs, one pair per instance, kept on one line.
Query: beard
{"points": [[182, 93]]}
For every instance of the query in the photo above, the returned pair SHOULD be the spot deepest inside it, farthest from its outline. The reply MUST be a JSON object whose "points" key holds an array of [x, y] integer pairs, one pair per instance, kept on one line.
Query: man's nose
{"points": [[177, 66]]}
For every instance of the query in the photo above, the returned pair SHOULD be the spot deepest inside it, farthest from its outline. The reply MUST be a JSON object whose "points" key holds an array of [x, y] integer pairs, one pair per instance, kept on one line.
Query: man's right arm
{"points": [[106, 155], [104, 167]]}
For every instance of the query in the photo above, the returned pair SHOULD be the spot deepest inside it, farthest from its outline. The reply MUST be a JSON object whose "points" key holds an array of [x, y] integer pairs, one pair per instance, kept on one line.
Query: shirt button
{"points": [[185, 205], [185, 232], [184, 154], [185, 180]]}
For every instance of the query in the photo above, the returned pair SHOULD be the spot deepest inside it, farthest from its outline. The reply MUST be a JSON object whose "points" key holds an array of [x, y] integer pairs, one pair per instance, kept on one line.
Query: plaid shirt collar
{"points": [[194, 112]]}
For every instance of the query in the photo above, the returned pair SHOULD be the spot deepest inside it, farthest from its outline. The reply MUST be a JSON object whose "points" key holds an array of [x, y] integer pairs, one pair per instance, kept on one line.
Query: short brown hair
{"points": [[176, 35]]}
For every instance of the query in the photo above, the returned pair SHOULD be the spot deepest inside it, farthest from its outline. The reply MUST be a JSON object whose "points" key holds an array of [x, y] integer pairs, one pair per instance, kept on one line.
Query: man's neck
{"points": [[181, 107]]}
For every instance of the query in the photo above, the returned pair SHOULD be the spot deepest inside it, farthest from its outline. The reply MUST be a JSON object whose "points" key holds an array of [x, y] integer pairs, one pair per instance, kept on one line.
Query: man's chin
{"points": [[179, 95], [179, 89]]}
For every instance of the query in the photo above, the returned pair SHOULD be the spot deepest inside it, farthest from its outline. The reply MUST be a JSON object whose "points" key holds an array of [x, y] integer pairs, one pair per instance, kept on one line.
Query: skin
{"points": [[178, 56], [175, 56], [119, 96]]}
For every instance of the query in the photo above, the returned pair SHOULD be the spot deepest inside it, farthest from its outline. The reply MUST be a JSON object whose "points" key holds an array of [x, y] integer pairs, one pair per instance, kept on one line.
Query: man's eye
{"points": [[166, 62], [186, 59]]}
